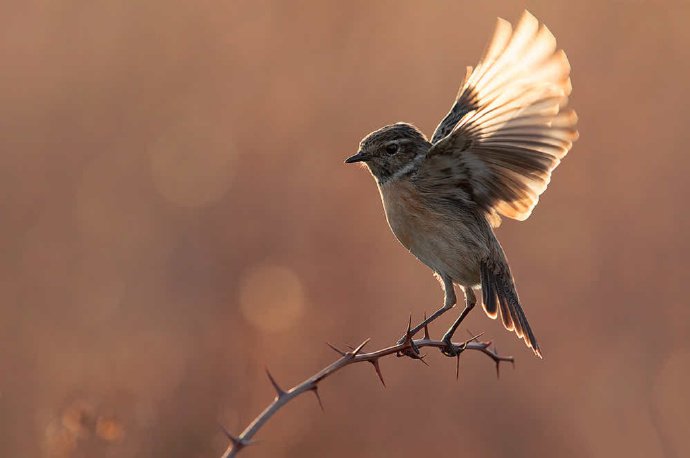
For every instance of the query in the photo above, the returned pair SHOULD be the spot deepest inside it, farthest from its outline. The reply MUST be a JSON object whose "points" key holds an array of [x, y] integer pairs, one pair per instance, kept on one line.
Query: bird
{"points": [[491, 157]]}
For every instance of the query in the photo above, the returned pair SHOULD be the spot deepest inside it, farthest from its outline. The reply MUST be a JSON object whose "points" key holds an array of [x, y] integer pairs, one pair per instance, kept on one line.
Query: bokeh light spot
{"points": [[271, 298], [109, 429]]}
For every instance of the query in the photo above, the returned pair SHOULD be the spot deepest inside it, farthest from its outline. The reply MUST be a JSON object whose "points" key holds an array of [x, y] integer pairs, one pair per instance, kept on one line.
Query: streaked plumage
{"points": [[491, 156]]}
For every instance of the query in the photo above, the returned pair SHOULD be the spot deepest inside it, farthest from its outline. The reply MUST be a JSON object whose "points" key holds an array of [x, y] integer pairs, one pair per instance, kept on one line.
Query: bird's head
{"points": [[391, 151]]}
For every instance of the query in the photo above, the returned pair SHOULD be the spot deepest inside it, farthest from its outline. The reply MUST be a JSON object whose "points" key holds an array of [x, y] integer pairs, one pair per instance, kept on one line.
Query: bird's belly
{"points": [[440, 241]]}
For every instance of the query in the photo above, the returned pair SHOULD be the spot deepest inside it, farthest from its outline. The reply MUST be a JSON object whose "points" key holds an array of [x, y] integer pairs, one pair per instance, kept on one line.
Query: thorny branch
{"points": [[406, 347]]}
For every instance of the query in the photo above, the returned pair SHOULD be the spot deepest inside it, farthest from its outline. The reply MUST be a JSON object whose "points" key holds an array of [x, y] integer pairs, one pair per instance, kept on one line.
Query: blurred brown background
{"points": [[176, 216]]}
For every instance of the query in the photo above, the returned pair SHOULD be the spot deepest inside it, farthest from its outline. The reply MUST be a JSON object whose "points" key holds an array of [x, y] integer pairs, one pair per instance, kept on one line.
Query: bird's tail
{"points": [[498, 290]]}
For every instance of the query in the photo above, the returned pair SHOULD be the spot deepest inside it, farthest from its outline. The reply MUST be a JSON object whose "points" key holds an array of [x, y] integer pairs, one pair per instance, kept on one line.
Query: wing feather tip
{"points": [[505, 106]]}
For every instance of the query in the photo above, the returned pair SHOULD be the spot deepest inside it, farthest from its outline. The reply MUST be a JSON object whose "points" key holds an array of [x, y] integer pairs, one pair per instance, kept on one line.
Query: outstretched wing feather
{"points": [[508, 128]]}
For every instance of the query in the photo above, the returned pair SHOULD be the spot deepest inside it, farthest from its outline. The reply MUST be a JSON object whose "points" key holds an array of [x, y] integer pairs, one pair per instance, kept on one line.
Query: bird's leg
{"points": [[470, 302], [449, 301]]}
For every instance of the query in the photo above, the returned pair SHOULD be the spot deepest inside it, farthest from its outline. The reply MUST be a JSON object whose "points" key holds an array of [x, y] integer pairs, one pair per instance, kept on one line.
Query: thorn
{"points": [[421, 358], [340, 352], [408, 346], [474, 338], [229, 435], [426, 329], [279, 391], [377, 368], [237, 442], [498, 363], [358, 349], [408, 334], [318, 398], [457, 367]]}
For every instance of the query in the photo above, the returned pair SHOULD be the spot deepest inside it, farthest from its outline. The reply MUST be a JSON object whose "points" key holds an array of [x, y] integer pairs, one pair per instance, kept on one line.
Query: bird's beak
{"points": [[359, 157]]}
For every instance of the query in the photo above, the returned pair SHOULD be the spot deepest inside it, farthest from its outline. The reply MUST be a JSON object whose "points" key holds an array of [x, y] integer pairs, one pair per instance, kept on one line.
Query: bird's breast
{"points": [[446, 241], [408, 217]]}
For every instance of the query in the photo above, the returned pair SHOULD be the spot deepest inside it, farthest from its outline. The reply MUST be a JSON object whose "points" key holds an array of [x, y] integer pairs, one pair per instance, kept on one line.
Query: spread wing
{"points": [[508, 128]]}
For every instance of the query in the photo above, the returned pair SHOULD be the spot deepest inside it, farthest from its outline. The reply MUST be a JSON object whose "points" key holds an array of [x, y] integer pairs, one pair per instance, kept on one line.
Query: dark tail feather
{"points": [[498, 290], [488, 293]]}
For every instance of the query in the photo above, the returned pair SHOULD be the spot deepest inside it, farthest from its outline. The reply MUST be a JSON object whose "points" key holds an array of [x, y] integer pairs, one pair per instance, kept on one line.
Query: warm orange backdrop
{"points": [[175, 216]]}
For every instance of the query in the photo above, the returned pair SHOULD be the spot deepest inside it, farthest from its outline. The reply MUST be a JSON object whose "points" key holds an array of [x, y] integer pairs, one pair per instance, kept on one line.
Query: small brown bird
{"points": [[491, 156]]}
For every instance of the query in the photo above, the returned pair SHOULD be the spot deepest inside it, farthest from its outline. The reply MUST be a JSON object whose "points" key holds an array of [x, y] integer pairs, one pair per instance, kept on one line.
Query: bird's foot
{"points": [[411, 351], [451, 349], [409, 348]]}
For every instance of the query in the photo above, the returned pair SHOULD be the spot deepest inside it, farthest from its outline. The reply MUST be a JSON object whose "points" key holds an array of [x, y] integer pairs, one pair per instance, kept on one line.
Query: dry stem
{"points": [[408, 347]]}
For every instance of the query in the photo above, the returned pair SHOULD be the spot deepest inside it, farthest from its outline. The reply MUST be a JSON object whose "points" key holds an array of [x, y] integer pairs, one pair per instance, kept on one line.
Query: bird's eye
{"points": [[392, 148]]}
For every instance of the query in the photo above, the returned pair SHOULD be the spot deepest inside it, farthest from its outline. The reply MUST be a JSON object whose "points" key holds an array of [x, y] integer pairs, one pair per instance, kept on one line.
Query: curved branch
{"points": [[407, 347]]}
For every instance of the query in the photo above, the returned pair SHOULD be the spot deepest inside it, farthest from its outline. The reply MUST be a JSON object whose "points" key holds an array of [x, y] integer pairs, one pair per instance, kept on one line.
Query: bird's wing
{"points": [[508, 128]]}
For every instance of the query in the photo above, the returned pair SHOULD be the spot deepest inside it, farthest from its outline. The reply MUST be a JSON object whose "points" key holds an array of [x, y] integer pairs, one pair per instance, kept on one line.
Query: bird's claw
{"points": [[411, 352], [451, 349], [409, 348]]}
